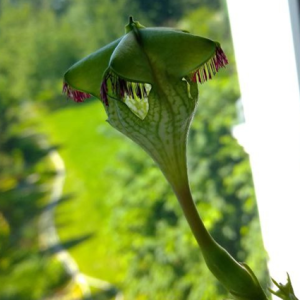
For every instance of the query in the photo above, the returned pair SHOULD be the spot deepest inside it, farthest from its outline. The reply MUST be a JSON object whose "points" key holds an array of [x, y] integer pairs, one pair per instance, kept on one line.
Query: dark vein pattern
{"points": [[163, 133]]}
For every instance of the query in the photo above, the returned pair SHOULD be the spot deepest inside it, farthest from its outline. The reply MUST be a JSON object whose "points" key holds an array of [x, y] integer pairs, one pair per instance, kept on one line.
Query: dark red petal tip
{"points": [[75, 95], [211, 67]]}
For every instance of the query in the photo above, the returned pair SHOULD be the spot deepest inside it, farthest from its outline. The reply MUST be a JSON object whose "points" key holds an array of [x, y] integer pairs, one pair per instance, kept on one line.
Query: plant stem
{"points": [[188, 206], [236, 277]]}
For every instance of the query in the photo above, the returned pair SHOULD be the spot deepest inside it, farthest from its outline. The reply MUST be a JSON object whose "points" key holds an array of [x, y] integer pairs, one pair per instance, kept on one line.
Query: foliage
{"points": [[22, 197], [168, 12], [285, 291]]}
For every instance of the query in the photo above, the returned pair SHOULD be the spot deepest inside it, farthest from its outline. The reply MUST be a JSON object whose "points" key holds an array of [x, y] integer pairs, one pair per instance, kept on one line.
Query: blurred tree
{"points": [[39, 41], [168, 12], [38, 45]]}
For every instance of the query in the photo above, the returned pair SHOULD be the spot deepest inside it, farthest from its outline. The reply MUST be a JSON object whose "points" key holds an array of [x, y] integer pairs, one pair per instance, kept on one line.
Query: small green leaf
{"points": [[285, 292]]}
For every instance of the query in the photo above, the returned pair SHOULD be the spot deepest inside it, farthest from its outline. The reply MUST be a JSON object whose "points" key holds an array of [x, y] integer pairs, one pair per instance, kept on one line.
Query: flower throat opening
{"points": [[133, 94]]}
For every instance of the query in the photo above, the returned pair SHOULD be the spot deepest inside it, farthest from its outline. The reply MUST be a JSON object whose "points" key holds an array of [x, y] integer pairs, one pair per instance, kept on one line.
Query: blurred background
{"points": [[122, 229]]}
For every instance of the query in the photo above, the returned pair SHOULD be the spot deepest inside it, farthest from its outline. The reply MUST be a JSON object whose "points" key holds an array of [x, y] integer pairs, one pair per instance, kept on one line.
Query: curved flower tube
{"points": [[147, 81]]}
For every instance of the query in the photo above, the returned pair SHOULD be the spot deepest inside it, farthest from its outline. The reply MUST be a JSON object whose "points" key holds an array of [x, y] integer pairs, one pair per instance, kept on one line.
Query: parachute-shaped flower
{"points": [[148, 81], [152, 72]]}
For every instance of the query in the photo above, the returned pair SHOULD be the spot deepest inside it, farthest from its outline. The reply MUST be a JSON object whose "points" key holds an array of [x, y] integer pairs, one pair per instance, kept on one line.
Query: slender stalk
{"points": [[188, 206], [236, 277]]}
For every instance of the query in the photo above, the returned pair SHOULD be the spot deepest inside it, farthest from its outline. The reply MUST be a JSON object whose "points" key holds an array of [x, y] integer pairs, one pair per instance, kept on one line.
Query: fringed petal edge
{"points": [[73, 94], [211, 67]]}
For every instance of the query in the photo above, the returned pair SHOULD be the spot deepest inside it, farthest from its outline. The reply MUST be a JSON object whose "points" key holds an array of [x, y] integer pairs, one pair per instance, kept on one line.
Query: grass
{"points": [[89, 148]]}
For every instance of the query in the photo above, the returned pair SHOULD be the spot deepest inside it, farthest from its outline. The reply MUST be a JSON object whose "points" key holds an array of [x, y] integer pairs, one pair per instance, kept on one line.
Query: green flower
{"points": [[148, 82]]}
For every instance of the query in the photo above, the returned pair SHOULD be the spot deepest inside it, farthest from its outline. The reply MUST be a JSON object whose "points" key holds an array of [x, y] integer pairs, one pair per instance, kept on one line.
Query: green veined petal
{"points": [[87, 74]]}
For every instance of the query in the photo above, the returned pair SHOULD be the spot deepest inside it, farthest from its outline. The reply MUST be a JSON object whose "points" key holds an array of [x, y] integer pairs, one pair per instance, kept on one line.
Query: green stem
{"points": [[188, 206], [236, 277]]}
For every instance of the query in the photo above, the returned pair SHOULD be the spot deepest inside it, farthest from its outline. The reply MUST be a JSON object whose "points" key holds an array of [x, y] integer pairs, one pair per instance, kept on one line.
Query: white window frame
{"points": [[266, 37]]}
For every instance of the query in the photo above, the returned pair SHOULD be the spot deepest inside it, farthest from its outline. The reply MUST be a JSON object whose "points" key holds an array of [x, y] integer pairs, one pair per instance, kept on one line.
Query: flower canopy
{"points": [[124, 66]]}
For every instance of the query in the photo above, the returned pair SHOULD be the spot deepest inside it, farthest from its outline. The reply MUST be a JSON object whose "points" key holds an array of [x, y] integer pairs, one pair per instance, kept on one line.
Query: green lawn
{"points": [[89, 148]]}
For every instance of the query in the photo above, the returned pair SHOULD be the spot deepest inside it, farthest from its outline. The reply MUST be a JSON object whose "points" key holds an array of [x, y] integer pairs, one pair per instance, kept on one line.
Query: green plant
{"points": [[148, 82]]}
